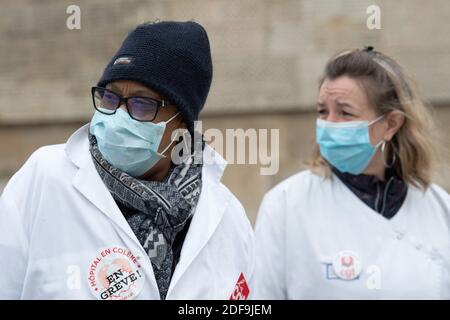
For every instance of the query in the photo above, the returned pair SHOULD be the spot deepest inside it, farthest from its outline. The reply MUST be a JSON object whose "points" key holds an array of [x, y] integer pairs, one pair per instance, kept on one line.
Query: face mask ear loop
{"points": [[376, 120], [172, 141], [165, 149], [382, 142], [173, 117]]}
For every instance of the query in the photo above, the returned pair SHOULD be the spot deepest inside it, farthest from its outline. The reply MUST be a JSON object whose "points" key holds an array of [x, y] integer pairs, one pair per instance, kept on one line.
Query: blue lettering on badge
{"points": [[330, 274]]}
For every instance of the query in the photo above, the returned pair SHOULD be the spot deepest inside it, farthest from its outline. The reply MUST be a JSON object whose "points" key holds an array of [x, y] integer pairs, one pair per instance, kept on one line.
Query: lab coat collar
{"points": [[210, 208]]}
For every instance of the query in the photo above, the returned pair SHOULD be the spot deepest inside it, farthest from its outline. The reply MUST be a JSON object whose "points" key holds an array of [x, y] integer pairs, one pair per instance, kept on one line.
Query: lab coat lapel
{"points": [[89, 184], [208, 214]]}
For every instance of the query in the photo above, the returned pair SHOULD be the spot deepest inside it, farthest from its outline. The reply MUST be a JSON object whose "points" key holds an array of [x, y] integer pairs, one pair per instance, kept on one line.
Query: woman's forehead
{"points": [[342, 87]]}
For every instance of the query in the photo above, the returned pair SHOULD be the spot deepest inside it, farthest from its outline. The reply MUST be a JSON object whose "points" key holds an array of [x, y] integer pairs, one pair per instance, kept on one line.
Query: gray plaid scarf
{"points": [[156, 211]]}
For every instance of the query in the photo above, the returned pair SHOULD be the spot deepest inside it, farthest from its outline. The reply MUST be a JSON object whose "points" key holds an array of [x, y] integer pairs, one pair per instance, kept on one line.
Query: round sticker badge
{"points": [[347, 265], [115, 274]]}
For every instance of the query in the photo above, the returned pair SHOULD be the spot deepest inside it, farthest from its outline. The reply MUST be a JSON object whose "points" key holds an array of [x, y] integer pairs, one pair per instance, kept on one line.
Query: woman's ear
{"points": [[395, 120]]}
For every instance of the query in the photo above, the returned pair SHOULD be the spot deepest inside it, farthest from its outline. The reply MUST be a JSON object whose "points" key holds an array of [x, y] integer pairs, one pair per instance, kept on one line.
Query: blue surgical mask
{"points": [[346, 145], [127, 144]]}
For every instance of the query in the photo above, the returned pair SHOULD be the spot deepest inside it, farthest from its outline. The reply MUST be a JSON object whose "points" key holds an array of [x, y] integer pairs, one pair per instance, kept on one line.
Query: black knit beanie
{"points": [[172, 58]]}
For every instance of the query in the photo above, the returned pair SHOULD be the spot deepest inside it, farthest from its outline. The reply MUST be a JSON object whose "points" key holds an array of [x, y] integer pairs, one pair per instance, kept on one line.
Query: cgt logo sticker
{"points": [[347, 265], [115, 274]]}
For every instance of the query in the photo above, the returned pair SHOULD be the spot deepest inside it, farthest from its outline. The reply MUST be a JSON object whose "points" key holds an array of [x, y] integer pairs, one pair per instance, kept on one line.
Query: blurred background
{"points": [[268, 56]]}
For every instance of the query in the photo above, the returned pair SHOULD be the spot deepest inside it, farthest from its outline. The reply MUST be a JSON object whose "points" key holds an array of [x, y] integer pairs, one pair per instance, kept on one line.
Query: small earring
{"points": [[384, 156]]}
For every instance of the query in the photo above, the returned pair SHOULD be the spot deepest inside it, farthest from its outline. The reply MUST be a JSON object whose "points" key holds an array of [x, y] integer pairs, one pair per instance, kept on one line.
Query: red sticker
{"points": [[241, 289]]}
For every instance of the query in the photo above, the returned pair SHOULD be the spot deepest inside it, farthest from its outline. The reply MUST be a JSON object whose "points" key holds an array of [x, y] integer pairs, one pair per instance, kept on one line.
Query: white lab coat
{"points": [[56, 216], [306, 221]]}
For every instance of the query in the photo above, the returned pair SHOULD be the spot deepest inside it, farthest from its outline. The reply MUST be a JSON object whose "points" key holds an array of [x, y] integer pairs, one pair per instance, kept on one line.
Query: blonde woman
{"points": [[365, 221]]}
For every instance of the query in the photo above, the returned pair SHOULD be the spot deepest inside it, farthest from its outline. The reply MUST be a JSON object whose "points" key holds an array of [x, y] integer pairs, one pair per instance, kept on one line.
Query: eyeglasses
{"points": [[142, 109]]}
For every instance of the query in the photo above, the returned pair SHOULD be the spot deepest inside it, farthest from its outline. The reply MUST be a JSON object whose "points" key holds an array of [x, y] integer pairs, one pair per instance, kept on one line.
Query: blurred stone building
{"points": [[267, 54]]}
